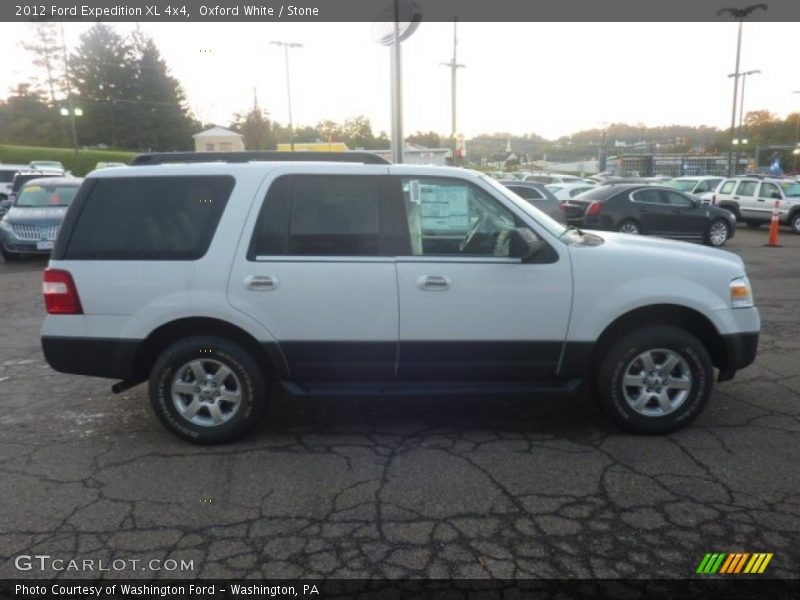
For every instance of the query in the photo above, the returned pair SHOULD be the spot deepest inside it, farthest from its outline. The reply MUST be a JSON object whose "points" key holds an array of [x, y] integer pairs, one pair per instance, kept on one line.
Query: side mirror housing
{"points": [[523, 243]]}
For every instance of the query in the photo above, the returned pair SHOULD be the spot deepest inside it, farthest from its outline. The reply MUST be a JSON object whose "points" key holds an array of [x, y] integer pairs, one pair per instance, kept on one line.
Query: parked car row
{"points": [[752, 199]]}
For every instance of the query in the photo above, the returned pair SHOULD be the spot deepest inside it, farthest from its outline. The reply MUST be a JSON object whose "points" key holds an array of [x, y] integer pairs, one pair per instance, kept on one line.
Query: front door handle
{"points": [[433, 283], [260, 283]]}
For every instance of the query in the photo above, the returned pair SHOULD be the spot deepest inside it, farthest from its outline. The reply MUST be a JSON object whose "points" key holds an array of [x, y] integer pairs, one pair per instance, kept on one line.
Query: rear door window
{"points": [[324, 215], [148, 218], [747, 188]]}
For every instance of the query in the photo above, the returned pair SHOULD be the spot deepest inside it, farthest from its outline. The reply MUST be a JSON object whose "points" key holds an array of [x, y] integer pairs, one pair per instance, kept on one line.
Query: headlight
{"points": [[741, 294], [4, 225]]}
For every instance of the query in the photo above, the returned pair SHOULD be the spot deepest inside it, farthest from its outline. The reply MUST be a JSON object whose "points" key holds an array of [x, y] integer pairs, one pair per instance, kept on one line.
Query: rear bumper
{"points": [[740, 352], [96, 357]]}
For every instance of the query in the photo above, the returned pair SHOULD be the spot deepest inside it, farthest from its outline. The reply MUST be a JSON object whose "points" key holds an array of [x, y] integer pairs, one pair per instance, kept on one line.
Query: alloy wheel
{"points": [[718, 233], [206, 392], [656, 382]]}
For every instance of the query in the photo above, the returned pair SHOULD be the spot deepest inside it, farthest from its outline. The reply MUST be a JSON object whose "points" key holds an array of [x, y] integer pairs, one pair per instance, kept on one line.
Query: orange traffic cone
{"points": [[774, 225]]}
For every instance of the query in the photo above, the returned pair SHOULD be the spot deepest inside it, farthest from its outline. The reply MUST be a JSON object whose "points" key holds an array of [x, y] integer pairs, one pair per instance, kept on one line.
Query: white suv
{"points": [[752, 200], [215, 280]]}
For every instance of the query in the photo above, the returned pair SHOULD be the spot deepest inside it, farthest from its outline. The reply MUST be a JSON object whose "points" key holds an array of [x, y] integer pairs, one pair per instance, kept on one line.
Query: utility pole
{"points": [[741, 14], [741, 118], [454, 66], [70, 103], [286, 46]]}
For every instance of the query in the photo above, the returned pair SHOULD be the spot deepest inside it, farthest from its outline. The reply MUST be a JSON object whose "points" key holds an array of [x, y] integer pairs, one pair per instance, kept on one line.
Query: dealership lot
{"points": [[397, 487]]}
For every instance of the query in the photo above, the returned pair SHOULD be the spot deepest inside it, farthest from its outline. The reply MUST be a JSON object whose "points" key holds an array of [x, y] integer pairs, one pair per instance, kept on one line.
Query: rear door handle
{"points": [[433, 283], [260, 283]]}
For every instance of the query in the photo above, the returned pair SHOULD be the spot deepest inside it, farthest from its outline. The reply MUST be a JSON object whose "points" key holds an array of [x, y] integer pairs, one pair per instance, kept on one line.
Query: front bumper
{"points": [[14, 245], [740, 351]]}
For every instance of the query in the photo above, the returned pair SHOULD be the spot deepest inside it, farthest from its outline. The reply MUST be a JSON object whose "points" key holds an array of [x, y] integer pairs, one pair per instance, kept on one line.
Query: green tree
{"points": [[27, 119], [357, 133], [104, 76], [256, 129], [163, 121], [429, 139], [46, 50]]}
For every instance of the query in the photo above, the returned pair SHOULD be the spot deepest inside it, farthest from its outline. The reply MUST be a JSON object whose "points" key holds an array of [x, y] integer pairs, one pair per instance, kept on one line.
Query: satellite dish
{"points": [[409, 16]]}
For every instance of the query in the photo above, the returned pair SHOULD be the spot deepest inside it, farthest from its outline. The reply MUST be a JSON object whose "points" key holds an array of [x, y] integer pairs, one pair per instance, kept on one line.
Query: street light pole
{"points": [[70, 103], [796, 138], [741, 14], [454, 66], [741, 116], [286, 46]]}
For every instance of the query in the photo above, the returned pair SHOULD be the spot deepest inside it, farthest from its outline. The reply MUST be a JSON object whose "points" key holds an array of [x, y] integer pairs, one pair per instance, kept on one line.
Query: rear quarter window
{"points": [[146, 218]]}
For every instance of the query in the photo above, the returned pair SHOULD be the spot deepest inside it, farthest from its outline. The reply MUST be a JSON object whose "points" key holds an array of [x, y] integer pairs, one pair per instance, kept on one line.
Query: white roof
{"points": [[216, 131]]}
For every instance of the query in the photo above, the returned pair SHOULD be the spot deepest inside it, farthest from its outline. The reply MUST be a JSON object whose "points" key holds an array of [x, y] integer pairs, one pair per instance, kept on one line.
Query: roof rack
{"points": [[160, 158]]}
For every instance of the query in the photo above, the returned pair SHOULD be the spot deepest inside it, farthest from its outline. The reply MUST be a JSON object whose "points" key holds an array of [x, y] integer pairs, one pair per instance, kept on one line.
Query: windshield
{"points": [[552, 226], [791, 190], [47, 195], [684, 185]]}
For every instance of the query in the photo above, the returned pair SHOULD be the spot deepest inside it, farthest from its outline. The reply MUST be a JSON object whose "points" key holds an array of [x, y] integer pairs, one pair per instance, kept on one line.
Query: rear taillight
{"points": [[60, 293], [594, 209]]}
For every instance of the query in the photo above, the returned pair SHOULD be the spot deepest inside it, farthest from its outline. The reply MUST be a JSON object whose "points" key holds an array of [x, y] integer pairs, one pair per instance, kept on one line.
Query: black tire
{"points": [[794, 222], [717, 241], [629, 223], [753, 224], [624, 356], [247, 376]]}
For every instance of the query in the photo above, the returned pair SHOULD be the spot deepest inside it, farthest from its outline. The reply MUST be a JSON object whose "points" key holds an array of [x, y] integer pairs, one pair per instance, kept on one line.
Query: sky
{"points": [[552, 79]]}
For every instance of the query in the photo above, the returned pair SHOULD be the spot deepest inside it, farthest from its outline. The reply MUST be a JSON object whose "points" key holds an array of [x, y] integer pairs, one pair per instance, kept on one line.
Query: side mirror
{"points": [[523, 243]]}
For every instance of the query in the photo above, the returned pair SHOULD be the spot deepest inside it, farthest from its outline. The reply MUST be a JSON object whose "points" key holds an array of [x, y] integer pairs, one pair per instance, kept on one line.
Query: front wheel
{"points": [[718, 233], [794, 222], [655, 380], [207, 390], [630, 227]]}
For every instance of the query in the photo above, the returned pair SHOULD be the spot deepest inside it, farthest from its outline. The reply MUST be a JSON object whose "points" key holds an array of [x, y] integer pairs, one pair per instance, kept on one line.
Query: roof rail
{"points": [[160, 158]]}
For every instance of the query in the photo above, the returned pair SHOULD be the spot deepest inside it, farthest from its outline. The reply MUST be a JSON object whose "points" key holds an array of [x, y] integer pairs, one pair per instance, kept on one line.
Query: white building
{"points": [[218, 139]]}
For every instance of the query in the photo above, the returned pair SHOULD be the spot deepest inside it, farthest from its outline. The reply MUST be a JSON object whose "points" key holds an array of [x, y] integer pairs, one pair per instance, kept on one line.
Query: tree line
{"points": [[130, 101]]}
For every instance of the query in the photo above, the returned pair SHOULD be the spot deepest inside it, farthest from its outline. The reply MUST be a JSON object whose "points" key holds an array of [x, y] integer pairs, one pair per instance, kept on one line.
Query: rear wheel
{"points": [[207, 390], [655, 380], [629, 226], [718, 233]]}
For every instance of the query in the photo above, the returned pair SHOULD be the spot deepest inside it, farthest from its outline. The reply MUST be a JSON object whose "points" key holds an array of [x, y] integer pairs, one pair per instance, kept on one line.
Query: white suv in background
{"points": [[752, 200], [213, 280]]}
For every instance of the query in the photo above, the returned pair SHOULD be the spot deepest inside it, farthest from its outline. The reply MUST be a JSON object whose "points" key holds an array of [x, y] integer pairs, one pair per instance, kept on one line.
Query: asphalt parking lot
{"points": [[423, 487]]}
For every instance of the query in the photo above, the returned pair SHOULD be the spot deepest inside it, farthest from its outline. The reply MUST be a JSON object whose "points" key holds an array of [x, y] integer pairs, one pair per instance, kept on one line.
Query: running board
{"points": [[416, 388]]}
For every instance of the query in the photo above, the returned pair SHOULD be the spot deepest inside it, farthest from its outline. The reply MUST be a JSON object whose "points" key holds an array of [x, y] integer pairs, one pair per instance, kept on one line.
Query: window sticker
{"points": [[415, 191]]}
